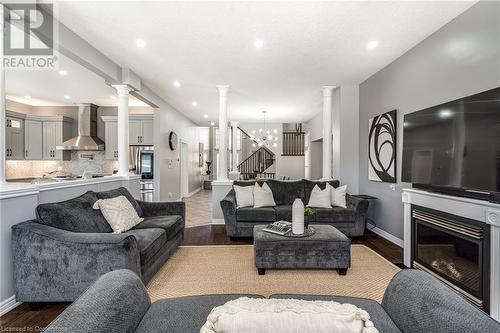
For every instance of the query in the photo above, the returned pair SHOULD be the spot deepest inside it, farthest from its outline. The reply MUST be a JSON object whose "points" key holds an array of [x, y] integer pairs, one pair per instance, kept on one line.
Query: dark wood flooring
{"points": [[23, 319]]}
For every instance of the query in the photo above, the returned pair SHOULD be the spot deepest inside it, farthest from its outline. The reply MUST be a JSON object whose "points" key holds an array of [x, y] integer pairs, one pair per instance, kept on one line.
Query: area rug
{"points": [[229, 269]]}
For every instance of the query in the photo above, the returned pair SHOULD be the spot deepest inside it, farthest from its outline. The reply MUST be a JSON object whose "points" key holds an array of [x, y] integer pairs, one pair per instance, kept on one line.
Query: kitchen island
{"points": [[18, 201]]}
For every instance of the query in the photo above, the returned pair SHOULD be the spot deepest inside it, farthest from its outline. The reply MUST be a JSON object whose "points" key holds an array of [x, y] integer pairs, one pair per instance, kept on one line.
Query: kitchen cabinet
{"points": [[140, 132], [147, 132], [54, 133], [14, 138], [134, 132], [140, 129], [111, 140], [33, 142]]}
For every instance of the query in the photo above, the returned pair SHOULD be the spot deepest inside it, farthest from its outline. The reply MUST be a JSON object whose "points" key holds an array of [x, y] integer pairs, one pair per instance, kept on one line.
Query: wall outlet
{"points": [[392, 187]]}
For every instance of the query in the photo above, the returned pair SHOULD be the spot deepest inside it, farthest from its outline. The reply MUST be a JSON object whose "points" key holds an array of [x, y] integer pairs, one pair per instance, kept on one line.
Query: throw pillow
{"points": [[119, 213], [263, 196], [244, 196], [338, 196], [320, 198]]}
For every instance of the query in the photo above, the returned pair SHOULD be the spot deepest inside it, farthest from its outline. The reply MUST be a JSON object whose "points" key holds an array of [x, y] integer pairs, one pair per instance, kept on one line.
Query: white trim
{"points": [[131, 116], [8, 304], [384, 234], [193, 192], [222, 182], [218, 221]]}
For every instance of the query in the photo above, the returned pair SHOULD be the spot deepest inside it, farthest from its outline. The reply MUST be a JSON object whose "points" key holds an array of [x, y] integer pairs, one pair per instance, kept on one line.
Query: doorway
{"points": [[184, 166], [316, 151]]}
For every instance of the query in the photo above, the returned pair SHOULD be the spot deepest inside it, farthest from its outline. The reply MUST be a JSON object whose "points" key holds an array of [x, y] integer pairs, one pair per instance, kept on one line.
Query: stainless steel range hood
{"points": [[87, 131]]}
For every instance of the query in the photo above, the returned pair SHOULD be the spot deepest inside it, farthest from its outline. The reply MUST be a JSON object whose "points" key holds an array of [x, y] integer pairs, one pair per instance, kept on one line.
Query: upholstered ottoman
{"points": [[328, 248]]}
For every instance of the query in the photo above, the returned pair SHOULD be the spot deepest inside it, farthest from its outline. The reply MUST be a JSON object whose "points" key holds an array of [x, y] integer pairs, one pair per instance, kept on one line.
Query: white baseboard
{"points": [[218, 221], [386, 235], [8, 304], [194, 192]]}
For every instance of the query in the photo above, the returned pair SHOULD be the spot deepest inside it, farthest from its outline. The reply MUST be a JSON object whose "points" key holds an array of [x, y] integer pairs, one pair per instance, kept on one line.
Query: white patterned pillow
{"points": [[119, 213]]}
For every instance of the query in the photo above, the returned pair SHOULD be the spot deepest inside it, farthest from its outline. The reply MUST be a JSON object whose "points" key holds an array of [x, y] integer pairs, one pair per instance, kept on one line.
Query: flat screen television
{"points": [[455, 147]]}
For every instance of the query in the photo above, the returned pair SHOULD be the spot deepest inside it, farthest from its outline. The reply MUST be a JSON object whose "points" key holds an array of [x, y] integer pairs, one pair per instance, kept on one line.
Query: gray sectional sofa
{"points": [[413, 302], [70, 245], [240, 221]]}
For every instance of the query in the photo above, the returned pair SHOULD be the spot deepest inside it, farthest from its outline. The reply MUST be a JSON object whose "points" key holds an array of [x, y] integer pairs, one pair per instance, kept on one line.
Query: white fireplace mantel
{"points": [[479, 210]]}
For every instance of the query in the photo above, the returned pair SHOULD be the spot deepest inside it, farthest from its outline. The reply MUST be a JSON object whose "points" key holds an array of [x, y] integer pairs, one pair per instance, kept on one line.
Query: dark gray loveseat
{"points": [[240, 221], [70, 245], [414, 302]]}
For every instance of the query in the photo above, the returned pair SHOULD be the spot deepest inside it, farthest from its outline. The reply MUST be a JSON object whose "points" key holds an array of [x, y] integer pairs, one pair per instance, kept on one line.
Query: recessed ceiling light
{"points": [[372, 45], [140, 43], [176, 84], [63, 72], [258, 44], [194, 103], [113, 97], [27, 97], [205, 116], [67, 96]]}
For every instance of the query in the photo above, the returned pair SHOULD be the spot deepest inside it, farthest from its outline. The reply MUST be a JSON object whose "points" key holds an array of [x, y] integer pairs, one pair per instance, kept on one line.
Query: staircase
{"points": [[255, 165]]}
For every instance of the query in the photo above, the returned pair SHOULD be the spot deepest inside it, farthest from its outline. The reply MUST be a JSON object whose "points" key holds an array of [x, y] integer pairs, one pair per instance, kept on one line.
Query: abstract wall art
{"points": [[382, 148]]}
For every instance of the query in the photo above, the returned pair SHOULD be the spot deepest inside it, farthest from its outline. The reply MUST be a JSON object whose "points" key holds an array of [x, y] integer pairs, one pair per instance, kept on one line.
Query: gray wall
{"points": [[460, 59]]}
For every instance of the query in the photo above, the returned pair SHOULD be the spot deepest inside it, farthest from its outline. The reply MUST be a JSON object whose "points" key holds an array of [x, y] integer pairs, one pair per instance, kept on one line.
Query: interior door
{"points": [[147, 132], [134, 131], [33, 140], [184, 170]]}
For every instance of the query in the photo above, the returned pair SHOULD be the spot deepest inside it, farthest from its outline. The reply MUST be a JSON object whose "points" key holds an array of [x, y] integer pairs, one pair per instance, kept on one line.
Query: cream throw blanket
{"points": [[254, 315]]}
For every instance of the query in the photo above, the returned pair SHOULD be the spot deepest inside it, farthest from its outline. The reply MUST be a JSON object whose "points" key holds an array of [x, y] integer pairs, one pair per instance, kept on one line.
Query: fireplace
{"points": [[454, 249]]}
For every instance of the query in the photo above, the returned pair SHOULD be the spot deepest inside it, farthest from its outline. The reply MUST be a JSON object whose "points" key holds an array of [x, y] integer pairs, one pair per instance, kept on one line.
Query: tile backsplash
{"points": [[77, 165]]}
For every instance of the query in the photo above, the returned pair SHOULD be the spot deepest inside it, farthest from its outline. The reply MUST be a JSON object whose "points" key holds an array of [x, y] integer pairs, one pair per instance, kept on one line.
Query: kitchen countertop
{"points": [[13, 188]]}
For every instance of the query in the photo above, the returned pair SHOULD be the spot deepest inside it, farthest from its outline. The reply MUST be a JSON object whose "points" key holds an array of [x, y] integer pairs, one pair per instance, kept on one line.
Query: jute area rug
{"points": [[199, 270]]}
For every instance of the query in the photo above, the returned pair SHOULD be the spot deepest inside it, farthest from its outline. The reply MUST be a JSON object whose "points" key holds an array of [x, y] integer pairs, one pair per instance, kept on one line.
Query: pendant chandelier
{"points": [[264, 136]]}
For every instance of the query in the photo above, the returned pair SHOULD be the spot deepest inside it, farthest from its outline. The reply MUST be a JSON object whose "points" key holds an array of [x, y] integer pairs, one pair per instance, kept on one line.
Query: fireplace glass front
{"points": [[453, 250]]}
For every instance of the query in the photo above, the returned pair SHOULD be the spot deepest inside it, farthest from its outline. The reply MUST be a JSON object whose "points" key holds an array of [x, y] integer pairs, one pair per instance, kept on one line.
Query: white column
{"points": [[327, 132], [123, 118], [2, 104], [223, 137]]}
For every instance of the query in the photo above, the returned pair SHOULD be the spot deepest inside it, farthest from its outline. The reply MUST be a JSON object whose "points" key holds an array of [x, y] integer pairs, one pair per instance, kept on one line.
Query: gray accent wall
{"points": [[460, 59]]}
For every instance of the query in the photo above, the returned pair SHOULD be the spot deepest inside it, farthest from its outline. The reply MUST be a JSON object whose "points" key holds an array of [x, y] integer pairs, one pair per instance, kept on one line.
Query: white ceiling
{"points": [[306, 45], [48, 87]]}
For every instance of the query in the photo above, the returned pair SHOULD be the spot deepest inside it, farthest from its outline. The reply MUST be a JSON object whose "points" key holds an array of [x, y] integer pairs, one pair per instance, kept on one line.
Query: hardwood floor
{"points": [[23, 319]]}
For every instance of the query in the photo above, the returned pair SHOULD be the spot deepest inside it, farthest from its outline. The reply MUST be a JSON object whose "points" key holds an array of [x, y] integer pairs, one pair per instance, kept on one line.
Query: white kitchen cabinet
{"points": [[134, 132], [111, 140], [33, 142], [140, 129], [53, 134], [14, 139], [140, 132], [147, 132]]}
